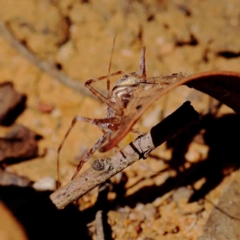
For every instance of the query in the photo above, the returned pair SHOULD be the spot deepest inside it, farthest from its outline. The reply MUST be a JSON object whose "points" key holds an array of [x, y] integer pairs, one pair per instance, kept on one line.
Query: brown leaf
{"points": [[19, 144], [222, 85], [12, 103]]}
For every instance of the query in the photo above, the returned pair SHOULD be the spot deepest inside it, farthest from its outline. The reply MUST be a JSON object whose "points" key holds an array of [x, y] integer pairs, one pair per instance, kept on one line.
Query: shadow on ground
{"points": [[222, 137], [41, 220]]}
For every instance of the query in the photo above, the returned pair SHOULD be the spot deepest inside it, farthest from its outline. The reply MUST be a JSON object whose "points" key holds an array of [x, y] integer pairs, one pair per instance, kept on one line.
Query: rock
{"points": [[45, 184], [11, 179], [19, 144]]}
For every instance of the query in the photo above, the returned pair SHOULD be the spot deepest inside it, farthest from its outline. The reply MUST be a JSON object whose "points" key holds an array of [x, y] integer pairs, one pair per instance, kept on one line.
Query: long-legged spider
{"points": [[132, 90], [116, 102]]}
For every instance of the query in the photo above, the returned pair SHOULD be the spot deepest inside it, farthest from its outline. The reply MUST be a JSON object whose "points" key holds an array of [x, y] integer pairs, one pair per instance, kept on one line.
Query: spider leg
{"points": [[101, 97], [119, 99], [89, 154], [98, 122], [142, 66]]}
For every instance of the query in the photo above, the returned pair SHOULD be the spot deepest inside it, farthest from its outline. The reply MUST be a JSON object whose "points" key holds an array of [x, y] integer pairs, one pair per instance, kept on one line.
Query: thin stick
{"points": [[103, 169], [99, 225], [44, 66], [101, 216]]}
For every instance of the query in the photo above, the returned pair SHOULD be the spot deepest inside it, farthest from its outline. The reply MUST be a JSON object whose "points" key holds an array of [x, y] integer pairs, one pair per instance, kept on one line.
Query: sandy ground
{"points": [[77, 37]]}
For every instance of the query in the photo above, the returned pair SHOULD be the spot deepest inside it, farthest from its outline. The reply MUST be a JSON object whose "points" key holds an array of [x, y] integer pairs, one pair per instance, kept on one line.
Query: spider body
{"points": [[116, 101], [122, 91], [121, 106]]}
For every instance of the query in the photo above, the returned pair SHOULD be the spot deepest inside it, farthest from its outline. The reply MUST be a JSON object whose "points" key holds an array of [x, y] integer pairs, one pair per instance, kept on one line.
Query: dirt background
{"points": [[77, 37]]}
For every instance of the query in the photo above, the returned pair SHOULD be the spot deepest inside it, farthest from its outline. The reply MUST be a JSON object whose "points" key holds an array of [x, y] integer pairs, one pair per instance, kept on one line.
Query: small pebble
{"points": [[45, 184], [150, 211], [56, 113], [44, 107], [139, 206]]}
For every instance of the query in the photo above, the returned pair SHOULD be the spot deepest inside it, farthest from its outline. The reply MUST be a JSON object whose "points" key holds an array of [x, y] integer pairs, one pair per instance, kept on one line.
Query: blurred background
{"points": [[76, 38]]}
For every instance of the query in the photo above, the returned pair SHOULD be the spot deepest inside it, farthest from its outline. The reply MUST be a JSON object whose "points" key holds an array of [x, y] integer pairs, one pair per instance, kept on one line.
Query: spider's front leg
{"points": [[101, 97]]}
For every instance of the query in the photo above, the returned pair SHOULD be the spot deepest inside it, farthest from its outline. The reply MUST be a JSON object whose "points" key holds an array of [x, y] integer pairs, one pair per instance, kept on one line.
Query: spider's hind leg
{"points": [[75, 119], [99, 123], [88, 155], [114, 121]]}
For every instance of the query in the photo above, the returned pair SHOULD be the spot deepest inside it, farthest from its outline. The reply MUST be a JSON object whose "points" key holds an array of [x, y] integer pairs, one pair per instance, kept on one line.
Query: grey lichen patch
{"points": [[102, 164]]}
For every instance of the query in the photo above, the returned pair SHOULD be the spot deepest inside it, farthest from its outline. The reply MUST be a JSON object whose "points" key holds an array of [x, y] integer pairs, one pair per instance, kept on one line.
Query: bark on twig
{"points": [[99, 225], [101, 216], [44, 66], [102, 227], [103, 169]]}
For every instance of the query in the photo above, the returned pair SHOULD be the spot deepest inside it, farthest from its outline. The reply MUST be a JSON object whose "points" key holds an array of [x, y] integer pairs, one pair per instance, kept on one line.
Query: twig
{"points": [[101, 218], [44, 66], [12, 179], [221, 210], [99, 225], [103, 169]]}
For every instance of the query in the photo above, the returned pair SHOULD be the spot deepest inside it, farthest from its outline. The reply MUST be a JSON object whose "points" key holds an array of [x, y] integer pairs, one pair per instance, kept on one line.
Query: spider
{"points": [[128, 96]]}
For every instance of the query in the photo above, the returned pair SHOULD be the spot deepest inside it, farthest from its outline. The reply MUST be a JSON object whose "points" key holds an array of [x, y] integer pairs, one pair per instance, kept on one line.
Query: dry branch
{"points": [[101, 218], [44, 66], [99, 225], [103, 169]]}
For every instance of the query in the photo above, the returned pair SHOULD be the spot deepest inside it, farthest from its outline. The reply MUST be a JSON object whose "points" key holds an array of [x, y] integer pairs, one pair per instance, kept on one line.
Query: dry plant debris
{"points": [[103, 169], [11, 179], [12, 103], [18, 145], [199, 36]]}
